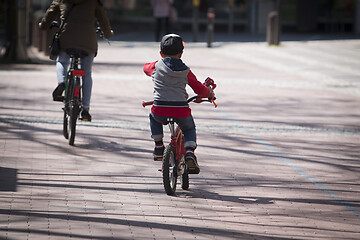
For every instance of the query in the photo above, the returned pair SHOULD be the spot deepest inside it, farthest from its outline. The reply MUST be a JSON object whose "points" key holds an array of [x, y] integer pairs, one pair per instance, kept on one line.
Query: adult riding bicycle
{"points": [[73, 85], [77, 32]]}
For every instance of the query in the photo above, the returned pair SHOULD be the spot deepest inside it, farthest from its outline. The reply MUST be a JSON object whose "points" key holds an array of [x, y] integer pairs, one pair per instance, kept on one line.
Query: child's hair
{"points": [[171, 44]]}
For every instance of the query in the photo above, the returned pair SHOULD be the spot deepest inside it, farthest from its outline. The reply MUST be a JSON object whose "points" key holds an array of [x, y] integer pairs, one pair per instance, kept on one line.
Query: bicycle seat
{"points": [[77, 53], [169, 120]]}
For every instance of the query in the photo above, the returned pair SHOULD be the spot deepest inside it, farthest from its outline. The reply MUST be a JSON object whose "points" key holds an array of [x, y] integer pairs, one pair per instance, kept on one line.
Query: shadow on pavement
{"points": [[8, 179], [71, 216]]}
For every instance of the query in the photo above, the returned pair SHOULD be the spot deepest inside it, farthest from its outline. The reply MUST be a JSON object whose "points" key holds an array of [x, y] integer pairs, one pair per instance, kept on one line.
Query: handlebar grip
{"points": [[98, 30], [212, 100], [192, 99], [144, 104], [54, 24]]}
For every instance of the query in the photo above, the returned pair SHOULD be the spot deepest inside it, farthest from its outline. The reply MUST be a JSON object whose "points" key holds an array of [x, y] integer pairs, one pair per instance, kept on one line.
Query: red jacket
{"points": [[180, 112]]}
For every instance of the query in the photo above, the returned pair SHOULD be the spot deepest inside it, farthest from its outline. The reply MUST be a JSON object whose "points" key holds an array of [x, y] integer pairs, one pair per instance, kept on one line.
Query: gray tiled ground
{"points": [[279, 157]]}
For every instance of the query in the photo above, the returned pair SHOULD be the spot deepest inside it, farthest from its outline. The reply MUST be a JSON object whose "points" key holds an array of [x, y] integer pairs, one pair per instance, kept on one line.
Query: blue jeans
{"points": [[187, 126], [62, 64]]}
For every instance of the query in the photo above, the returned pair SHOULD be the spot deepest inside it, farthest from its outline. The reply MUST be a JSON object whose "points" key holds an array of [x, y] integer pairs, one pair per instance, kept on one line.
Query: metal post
{"points": [[210, 26], [279, 26], [253, 19], [22, 31], [195, 25], [231, 16], [27, 22], [357, 17], [11, 24], [16, 29]]}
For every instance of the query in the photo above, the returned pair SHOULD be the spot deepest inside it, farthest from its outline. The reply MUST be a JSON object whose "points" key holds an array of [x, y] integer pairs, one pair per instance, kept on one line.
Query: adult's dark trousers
{"points": [[162, 23]]}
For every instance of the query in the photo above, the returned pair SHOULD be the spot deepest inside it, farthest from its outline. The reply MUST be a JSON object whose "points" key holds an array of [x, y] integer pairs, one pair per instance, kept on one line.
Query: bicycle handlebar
{"points": [[101, 34], [192, 99], [208, 82], [56, 24], [144, 103], [98, 30]]}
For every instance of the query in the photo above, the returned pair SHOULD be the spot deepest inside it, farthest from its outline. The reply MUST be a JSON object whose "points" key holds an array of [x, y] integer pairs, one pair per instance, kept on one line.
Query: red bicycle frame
{"points": [[177, 141]]}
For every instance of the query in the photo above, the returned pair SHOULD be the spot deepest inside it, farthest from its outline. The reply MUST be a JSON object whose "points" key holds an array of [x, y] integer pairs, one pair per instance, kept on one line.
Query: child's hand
{"points": [[211, 93], [198, 99], [210, 82]]}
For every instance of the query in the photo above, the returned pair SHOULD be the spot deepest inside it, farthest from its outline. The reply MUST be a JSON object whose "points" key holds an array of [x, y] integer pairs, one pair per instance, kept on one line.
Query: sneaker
{"points": [[85, 115], [158, 153], [191, 163], [57, 93]]}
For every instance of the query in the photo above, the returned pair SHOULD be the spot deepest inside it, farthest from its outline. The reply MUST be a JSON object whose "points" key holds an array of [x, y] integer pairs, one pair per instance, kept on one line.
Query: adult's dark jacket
{"points": [[79, 29]]}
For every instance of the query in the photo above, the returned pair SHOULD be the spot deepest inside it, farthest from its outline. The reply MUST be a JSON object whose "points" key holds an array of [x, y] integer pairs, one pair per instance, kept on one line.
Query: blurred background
{"points": [[235, 20]]}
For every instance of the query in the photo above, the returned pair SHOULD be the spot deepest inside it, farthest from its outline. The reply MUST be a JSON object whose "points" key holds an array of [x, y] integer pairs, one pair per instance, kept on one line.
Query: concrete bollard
{"points": [[272, 33]]}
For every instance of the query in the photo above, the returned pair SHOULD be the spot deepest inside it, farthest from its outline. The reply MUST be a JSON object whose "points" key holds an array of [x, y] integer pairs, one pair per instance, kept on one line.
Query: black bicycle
{"points": [[73, 94], [73, 89]]}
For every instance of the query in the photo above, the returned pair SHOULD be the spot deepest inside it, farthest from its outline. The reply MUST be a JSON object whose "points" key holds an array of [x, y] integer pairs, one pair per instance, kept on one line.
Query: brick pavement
{"points": [[279, 158]]}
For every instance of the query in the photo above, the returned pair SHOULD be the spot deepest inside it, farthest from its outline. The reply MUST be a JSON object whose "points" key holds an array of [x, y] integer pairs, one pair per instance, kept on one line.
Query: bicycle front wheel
{"points": [[72, 117], [169, 170]]}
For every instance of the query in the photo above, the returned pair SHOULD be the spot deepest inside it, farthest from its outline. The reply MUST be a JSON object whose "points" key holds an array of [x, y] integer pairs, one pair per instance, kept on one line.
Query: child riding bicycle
{"points": [[170, 76]]}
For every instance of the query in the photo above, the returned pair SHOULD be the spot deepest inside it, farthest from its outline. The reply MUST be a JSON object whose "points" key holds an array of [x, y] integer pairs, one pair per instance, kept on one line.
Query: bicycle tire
{"points": [[74, 111], [169, 171], [65, 126], [185, 181], [68, 93]]}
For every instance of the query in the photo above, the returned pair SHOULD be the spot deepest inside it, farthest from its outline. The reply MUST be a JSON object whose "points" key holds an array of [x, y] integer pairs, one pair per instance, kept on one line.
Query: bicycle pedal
{"points": [[58, 99], [158, 159], [193, 170], [85, 119]]}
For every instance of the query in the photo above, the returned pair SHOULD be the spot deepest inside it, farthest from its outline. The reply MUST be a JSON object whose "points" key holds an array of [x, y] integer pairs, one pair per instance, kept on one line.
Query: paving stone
{"points": [[279, 156]]}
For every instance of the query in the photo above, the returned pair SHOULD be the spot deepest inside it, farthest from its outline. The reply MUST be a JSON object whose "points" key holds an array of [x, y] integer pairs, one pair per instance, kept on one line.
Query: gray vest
{"points": [[169, 85]]}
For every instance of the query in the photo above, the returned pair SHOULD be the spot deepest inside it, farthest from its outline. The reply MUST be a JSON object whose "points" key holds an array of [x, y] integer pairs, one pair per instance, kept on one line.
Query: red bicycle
{"points": [[173, 162]]}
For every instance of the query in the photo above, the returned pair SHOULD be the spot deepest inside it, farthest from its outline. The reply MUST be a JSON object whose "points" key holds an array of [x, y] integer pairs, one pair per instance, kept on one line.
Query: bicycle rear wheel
{"points": [[169, 170], [72, 117], [185, 181], [65, 125]]}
